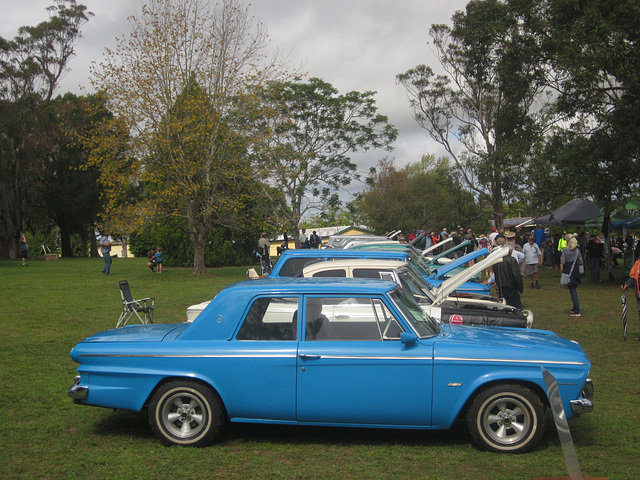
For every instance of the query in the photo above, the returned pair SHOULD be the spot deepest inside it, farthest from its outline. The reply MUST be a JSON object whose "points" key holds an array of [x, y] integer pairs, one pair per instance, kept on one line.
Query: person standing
{"points": [[159, 259], [484, 241], [507, 277], [304, 241], [634, 282], [264, 249], [541, 239], [24, 250], [571, 261], [562, 242], [105, 249], [532, 260], [595, 252], [315, 241]]}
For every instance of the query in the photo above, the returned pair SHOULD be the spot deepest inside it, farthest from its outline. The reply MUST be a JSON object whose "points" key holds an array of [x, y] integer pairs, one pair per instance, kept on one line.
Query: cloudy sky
{"points": [[352, 44]]}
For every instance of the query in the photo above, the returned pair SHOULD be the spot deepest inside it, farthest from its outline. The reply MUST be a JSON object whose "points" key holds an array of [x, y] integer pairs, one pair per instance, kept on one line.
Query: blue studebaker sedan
{"points": [[332, 352]]}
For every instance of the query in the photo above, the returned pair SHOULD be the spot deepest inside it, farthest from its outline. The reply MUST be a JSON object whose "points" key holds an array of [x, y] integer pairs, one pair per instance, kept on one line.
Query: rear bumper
{"points": [[77, 393], [584, 404]]}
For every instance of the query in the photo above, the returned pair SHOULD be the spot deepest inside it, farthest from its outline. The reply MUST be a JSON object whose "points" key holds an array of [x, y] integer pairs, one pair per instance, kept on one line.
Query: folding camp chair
{"points": [[131, 307]]}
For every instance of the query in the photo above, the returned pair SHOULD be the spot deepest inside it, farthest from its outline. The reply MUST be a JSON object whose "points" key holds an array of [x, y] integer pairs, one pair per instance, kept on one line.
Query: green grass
{"points": [[49, 306]]}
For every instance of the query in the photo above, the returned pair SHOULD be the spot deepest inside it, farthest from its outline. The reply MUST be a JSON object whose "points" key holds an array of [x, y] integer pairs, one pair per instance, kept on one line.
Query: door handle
{"points": [[304, 356]]}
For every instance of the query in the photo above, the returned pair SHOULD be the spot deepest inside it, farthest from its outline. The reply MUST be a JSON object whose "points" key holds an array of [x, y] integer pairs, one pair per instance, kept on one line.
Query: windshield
{"points": [[414, 284], [419, 264], [423, 325]]}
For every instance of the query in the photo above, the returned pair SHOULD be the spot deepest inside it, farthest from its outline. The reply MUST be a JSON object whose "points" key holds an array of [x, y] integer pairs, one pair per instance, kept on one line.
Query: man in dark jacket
{"points": [[508, 278]]}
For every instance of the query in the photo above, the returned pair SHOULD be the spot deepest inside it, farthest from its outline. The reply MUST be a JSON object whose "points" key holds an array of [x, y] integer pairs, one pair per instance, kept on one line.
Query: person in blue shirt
{"points": [[159, 259]]}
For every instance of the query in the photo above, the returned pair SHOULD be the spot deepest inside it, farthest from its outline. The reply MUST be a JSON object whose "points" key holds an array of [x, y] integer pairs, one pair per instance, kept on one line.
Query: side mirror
{"points": [[408, 338]]}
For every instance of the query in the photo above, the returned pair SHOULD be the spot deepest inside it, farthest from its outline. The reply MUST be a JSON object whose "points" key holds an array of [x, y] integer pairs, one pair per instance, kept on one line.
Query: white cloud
{"points": [[352, 44]]}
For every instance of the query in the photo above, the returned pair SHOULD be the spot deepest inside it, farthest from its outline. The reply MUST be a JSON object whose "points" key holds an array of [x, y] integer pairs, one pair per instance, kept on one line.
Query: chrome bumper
{"points": [[585, 403], [78, 393]]}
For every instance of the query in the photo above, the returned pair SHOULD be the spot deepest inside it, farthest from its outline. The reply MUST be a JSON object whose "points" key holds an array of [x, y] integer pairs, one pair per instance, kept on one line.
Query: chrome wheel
{"points": [[507, 418], [186, 413]]}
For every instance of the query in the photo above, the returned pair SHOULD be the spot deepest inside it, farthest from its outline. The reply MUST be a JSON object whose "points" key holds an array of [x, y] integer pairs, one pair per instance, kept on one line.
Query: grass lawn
{"points": [[46, 308]]}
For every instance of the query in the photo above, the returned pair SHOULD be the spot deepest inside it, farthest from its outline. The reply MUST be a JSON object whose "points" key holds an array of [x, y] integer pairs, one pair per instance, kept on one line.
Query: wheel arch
{"points": [[177, 378], [531, 385]]}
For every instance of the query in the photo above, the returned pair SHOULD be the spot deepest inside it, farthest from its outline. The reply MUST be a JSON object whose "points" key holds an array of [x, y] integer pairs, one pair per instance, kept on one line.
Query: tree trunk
{"points": [[125, 253], [65, 243], [83, 243], [94, 243], [198, 253]]}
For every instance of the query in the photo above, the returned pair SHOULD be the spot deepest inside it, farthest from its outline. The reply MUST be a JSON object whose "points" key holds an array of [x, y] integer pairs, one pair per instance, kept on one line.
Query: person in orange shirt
{"points": [[634, 281]]}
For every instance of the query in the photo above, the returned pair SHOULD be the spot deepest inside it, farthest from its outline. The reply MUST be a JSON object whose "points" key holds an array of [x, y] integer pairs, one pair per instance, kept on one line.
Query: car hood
{"points": [[138, 333], [443, 270], [453, 283], [513, 343]]}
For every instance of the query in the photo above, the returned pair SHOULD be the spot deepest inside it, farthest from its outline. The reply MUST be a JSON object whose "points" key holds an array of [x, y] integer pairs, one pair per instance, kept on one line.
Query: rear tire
{"points": [[186, 413], [507, 419]]}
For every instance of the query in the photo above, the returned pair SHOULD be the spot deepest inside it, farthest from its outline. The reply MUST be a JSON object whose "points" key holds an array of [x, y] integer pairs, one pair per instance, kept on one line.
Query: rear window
{"points": [[294, 266]]}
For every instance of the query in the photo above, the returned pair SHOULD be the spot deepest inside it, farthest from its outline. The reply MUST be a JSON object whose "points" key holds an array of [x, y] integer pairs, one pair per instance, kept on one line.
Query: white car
{"points": [[442, 303]]}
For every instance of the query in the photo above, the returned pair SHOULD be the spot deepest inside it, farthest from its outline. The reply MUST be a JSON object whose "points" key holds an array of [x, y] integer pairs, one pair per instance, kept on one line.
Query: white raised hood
{"points": [[451, 284], [426, 251]]}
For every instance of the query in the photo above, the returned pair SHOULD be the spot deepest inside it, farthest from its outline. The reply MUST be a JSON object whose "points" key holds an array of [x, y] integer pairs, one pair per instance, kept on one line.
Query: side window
{"points": [[349, 319], [368, 273], [331, 273], [271, 318]]}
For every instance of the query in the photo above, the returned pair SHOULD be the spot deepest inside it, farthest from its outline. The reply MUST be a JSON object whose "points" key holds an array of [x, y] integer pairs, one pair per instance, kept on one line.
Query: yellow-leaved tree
{"points": [[180, 83]]}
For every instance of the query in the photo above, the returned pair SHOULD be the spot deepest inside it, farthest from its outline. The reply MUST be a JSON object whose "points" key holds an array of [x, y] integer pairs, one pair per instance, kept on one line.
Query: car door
{"points": [[262, 371], [352, 367]]}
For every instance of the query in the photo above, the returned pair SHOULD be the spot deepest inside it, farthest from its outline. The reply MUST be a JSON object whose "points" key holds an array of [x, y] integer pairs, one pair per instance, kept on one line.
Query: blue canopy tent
{"points": [[625, 216]]}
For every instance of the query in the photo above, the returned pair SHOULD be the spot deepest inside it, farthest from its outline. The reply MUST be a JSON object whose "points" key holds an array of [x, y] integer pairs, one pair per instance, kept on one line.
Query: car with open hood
{"points": [[331, 352], [291, 263], [442, 303]]}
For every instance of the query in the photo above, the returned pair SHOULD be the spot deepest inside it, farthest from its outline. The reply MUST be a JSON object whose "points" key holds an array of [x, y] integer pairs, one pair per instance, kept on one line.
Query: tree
{"points": [[315, 131], [69, 192], [422, 194], [31, 66], [181, 84], [486, 109], [592, 46]]}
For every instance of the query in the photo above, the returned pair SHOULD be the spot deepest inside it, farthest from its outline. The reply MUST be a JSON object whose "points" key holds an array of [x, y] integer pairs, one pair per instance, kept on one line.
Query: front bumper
{"points": [[77, 393], [584, 404]]}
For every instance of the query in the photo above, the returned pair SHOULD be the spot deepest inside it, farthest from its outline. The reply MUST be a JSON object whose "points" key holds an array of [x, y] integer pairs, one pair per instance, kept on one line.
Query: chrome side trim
{"points": [[352, 357], [158, 355], [507, 360]]}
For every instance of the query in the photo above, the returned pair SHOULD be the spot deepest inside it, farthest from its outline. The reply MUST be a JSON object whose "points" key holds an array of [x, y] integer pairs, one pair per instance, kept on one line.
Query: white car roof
{"points": [[447, 287], [310, 270]]}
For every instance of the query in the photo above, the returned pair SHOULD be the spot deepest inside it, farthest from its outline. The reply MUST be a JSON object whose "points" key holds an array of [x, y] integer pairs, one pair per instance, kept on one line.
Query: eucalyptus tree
{"points": [[488, 107]]}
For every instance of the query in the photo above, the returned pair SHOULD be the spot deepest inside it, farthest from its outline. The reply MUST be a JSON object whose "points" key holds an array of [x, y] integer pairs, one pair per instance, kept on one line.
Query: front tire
{"points": [[186, 413], [507, 418]]}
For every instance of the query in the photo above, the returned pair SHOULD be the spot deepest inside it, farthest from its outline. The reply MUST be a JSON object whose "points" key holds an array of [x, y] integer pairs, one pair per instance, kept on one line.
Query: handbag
{"points": [[566, 277]]}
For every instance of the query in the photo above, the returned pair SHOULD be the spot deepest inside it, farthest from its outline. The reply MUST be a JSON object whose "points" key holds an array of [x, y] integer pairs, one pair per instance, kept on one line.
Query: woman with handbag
{"points": [[571, 262]]}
